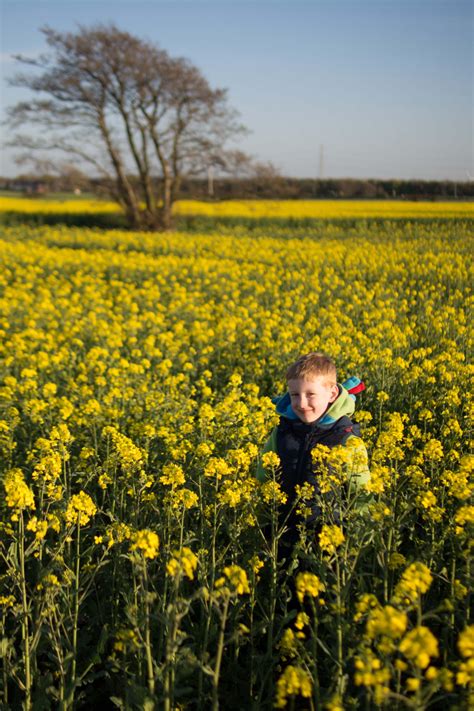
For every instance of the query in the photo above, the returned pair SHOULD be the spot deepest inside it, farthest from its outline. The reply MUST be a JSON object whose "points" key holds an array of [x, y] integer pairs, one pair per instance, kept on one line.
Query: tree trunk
{"points": [[166, 217]]}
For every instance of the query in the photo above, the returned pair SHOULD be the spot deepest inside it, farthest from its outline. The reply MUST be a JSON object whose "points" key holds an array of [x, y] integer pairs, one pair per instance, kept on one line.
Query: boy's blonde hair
{"points": [[311, 365]]}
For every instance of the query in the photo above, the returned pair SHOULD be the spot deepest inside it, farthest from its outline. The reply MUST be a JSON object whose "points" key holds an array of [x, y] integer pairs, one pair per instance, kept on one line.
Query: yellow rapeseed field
{"points": [[139, 554], [325, 209], [257, 209]]}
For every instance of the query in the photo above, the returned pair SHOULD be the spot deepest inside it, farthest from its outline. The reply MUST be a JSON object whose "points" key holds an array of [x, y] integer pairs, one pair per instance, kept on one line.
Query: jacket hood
{"points": [[343, 405]]}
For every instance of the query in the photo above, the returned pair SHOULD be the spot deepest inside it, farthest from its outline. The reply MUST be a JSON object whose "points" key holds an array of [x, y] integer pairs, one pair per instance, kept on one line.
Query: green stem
{"points": [[220, 651], [274, 574], [205, 636], [181, 530], [340, 655], [69, 702], [387, 567], [148, 650], [468, 578], [314, 655], [5, 667], [25, 615], [453, 577]]}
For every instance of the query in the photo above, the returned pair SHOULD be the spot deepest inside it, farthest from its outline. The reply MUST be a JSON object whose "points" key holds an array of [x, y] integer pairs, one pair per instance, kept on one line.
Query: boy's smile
{"points": [[311, 396]]}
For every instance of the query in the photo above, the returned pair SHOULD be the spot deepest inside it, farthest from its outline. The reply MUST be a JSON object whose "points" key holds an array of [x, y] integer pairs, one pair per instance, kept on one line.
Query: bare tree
{"points": [[142, 119]]}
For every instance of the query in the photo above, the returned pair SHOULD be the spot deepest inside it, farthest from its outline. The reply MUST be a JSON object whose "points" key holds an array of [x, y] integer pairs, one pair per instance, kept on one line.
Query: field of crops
{"points": [[255, 209], [139, 556]]}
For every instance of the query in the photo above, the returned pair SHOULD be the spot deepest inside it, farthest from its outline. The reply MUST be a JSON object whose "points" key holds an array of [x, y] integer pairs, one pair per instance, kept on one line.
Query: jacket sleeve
{"points": [[269, 446], [358, 472]]}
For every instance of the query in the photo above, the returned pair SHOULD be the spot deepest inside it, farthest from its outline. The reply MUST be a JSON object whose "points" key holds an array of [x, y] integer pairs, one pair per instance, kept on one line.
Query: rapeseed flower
{"points": [[233, 582], [80, 509], [18, 495], [465, 675], [371, 673], [308, 585], [287, 645], [330, 538], [388, 624], [175, 343], [464, 517], [145, 542], [173, 475], [182, 562], [273, 493], [415, 581], [294, 681], [270, 460], [40, 528], [419, 645]]}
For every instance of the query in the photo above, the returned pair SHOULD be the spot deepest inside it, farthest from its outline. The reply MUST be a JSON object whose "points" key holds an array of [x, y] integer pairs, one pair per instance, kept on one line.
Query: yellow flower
{"points": [[54, 522], [302, 620], [126, 639], [39, 527], [270, 460], [129, 455], [48, 581], [118, 533], [433, 450], [49, 467], [233, 582], [330, 538], [388, 623], [427, 500], [180, 499], [205, 449], [294, 681], [18, 495], [217, 467], [7, 601], [372, 674], [465, 674], [80, 509], [334, 704], [413, 684], [464, 516], [466, 642], [146, 542], [273, 493], [183, 562], [256, 564], [173, 475], [308, 584], [380, 478], [366, 603], [104, 480], [288, 644], [415, 581], [458, 483], [419, 646]]}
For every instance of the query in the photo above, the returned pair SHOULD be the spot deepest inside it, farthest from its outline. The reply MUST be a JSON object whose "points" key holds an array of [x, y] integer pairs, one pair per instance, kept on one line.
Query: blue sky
{"points": [[385, 86]]}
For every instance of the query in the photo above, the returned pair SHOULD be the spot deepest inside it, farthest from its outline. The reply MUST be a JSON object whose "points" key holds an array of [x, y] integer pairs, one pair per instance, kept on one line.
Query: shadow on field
{"points": [[80, 219], [208, 225]]}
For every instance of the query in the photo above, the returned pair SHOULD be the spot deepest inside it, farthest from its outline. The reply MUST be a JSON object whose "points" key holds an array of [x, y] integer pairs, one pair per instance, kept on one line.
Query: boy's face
{"points": [[311, 396]]}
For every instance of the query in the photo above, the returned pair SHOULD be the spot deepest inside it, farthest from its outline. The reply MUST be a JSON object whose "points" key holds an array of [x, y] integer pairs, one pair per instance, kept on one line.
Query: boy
{"points": [[315, 410]]}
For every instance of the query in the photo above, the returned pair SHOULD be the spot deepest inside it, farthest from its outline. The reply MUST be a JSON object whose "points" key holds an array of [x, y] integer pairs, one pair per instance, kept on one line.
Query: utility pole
{"points": [[210, 181], [321, 161]]}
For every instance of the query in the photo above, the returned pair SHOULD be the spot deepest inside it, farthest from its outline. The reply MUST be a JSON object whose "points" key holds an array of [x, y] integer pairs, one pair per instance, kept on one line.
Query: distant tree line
{"points": [[278, 187], [268, 186]]}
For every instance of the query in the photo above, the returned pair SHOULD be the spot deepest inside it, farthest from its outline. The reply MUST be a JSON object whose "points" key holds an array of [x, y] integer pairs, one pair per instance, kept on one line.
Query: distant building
{"points": [[28, 187]]}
